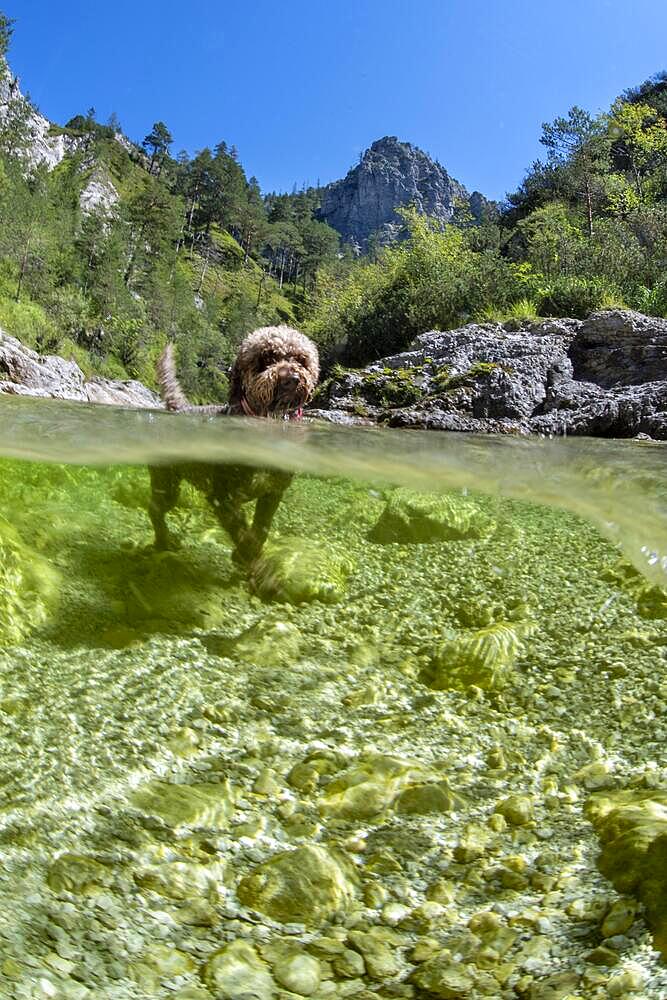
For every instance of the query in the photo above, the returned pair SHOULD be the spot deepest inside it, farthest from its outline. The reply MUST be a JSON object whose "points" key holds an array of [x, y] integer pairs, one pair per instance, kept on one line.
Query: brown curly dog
{"points": [[274, 375]]}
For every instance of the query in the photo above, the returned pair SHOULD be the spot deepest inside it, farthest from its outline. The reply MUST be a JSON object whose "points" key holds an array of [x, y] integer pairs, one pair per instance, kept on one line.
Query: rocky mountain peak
{"points": [[391, 173]]}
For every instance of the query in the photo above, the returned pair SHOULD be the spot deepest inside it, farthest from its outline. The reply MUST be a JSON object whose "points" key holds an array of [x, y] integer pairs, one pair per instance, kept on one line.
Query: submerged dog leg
{"points": [[266, 507], [235, 522], [165, 488]]}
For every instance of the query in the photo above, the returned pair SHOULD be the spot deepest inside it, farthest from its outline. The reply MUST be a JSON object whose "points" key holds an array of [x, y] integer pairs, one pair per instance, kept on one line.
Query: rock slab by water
{"points": [[23, 372], [605, 376]]}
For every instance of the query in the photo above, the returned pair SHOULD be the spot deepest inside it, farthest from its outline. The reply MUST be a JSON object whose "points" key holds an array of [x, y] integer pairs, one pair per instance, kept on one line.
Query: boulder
{"points": [[307, 885], [204, 805], [410, 517], [236, 970], [483, 658], [23, 372], [295, 571], [606, 375], [632, 827]]}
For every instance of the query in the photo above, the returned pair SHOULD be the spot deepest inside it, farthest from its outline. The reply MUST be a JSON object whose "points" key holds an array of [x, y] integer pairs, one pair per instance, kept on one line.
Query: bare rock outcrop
{"points": [[391, 174], [604, 376], [23, 372]]}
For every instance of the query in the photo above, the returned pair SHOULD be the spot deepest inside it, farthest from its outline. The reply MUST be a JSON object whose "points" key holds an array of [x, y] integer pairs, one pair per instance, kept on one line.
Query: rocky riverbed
{"points": [[397, 773]]}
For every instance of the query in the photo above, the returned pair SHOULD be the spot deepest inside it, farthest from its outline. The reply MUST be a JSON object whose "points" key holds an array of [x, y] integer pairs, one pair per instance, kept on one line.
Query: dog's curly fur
{"points": [[275, 373]]}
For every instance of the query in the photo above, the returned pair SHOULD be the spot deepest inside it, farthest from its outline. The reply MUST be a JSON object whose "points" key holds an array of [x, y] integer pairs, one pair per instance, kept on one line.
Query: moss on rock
{"points": [[418, 518], [632, 827], [180, 880], [207, 806], [78, 874], [445, 978], [265, 643], [236, 970], [297, 571], [483, 658], [307, 885], [369, 787]]}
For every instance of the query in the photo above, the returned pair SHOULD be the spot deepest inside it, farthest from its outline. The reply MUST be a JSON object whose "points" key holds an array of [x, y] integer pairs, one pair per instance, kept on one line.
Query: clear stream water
{"points": [[531, 632]]}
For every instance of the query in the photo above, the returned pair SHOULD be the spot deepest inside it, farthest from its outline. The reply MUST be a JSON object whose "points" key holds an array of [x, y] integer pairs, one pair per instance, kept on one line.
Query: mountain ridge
{"points": [[390, 175]]}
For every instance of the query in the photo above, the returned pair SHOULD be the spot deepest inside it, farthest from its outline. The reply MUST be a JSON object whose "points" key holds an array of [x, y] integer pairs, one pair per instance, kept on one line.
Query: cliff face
{"points": [[42, 147], [49, 146], [391, 174]]}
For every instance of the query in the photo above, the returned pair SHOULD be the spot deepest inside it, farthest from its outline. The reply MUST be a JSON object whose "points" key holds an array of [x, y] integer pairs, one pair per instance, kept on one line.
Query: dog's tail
{"points": [[170, 389]]}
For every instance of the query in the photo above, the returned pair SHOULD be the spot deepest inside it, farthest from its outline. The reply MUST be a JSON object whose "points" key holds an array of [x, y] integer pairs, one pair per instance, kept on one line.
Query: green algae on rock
{"points": [[482, 659], [236, 970], [518, 810], [369, 786], [295, 970], [417, 518], [78, 874], [420, 800], [159, 962], [205, 806], [180, 880], [632, 827], [297, 571], [444, 978], [265, 643], [307, 885]]}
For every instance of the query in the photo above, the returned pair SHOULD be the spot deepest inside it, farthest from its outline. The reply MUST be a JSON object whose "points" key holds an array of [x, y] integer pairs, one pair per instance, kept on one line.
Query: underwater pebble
{"points": [[308, 884], [237, 969]]}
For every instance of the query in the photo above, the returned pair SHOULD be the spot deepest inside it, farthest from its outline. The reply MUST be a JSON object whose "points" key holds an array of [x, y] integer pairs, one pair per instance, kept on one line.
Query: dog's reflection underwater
{"points": [[274, 375]]}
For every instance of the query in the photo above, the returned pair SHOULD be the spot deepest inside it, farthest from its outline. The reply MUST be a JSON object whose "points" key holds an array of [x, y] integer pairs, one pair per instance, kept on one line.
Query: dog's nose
{"points": [[289, 378]]}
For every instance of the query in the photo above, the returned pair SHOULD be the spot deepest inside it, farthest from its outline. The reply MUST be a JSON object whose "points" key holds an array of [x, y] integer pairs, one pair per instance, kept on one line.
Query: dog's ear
{"points": [[235, 387]]}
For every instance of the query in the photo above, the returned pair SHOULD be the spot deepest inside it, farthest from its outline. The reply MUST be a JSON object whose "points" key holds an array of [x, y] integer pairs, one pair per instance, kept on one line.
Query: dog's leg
{"points": [[165, 487], [233, 519], [265, 509]]}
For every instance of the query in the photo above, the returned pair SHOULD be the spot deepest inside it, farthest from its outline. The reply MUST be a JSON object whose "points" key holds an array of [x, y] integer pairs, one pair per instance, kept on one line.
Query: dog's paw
{"points": [[240, 558], [165, 543]]}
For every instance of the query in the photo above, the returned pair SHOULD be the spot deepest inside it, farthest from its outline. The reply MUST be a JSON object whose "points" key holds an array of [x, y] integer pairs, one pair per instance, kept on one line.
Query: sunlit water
{"points": [[369, 696]]}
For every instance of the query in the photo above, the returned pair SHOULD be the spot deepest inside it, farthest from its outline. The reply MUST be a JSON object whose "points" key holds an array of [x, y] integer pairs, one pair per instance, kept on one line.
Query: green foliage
{"points": [[579, 297], [434, 280], [524, 310], [157, 143], [586, 230], [29, 323], [394, 386], [190, 252]]}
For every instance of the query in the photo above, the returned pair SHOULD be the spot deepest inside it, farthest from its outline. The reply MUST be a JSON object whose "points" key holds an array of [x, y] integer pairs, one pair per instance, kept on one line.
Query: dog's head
{"points": [[275, 373]]}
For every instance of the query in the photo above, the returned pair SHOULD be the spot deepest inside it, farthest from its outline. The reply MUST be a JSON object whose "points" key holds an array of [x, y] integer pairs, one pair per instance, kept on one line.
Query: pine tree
{"points": [[579, 143], [158, 142]]}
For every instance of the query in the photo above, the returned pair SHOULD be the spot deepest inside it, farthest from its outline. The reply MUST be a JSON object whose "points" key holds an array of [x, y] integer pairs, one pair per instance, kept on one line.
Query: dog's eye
{"points": [[267, 359]]}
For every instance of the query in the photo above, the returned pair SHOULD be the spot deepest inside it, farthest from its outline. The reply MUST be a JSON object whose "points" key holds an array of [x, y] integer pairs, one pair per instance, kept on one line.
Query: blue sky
{"points": [[302, 88]]}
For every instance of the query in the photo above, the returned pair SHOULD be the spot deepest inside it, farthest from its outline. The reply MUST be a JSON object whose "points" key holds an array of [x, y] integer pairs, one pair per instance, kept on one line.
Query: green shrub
{"points": [[652, 301], [578, 297], [524, 309], [29, 323], [70, 311], [71, 351], [435, 280], [519, 311]]}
